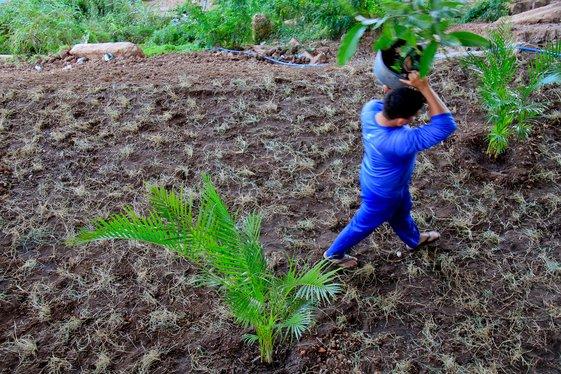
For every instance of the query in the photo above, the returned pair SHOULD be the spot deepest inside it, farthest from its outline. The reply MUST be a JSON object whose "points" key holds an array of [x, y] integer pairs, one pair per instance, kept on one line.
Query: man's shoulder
{"points": [[374, 104], [370, 109]]}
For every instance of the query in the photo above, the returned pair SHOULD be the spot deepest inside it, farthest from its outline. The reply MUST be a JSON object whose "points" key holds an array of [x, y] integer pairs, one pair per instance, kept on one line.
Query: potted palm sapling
{"points": [[411, 33]]}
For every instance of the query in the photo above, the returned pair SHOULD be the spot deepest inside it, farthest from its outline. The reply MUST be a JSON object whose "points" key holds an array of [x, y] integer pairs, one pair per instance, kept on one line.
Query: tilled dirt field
{"points": [[82, 143]]}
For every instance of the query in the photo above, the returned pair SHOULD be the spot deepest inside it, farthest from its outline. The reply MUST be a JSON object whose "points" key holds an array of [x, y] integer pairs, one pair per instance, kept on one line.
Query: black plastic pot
{"points": [[382, 70]]}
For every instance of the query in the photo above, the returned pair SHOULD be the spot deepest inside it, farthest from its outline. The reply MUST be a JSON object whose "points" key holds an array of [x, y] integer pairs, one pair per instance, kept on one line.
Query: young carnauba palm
{"points": [[509, 105], [231, 256]]}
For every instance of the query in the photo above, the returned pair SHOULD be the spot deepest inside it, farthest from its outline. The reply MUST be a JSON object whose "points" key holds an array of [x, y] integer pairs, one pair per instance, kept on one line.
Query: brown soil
{"points": [[81, 143]]}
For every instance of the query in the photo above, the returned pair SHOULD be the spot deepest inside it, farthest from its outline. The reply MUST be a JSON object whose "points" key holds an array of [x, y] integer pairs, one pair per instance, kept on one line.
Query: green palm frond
{"points": [[298, 321], [236, 256], [128, 225], [214, 218], [316, 284], [250, 339], [245, 307], [173, 206]]}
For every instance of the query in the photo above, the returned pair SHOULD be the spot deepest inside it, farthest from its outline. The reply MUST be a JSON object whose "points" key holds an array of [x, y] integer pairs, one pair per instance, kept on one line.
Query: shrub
{"points": [[486, 11], [508, 102], [42, 26], [36, 26], [228, 22], [419, 26], [230, 253]]}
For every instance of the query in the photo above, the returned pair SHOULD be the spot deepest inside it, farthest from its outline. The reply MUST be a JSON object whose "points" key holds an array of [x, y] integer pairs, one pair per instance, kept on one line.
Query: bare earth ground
{"points": [[79, 144]]}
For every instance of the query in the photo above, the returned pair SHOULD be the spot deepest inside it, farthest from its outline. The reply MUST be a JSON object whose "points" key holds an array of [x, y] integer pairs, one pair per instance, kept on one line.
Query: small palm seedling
{"points": [[231, 257], [509, 106]]}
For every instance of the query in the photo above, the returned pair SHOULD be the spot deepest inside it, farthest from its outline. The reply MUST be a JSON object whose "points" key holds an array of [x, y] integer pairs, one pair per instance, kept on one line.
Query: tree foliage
{"points": [[418, 23]]}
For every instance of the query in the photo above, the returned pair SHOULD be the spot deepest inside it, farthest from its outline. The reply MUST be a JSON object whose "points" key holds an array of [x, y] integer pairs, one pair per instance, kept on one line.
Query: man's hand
{"points": [[416, 81], [386, 89], [436, 105]]}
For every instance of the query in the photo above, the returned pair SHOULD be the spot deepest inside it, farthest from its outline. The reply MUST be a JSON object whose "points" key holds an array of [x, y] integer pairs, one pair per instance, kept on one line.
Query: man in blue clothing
{"points": [[390, 147]]}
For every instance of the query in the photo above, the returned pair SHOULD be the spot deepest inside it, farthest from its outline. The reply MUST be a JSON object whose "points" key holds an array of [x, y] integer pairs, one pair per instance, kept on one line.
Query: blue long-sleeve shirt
{"points": [[390, 152]]}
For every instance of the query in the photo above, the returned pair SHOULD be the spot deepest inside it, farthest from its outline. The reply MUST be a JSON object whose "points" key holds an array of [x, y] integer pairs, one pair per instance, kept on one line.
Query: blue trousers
{"points": [[374, 211]]}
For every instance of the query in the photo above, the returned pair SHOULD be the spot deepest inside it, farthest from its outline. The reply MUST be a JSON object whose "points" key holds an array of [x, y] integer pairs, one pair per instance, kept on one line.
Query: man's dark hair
{"points": [[403, 102]]}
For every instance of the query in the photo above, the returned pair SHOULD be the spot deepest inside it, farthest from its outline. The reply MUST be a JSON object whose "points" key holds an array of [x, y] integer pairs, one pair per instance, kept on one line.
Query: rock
{"points": [[260, 49], [67, 67], [546, 14], [261, 27], [99, 50], [108, 57], [82, 60], [39, 68], [294, 43], [320, 58], [307, 55], [525, 5]]}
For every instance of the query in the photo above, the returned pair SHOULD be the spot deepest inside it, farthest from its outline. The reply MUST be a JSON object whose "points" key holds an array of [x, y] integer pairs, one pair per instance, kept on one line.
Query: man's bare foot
{"points": [[426, 239], [345, 262]]}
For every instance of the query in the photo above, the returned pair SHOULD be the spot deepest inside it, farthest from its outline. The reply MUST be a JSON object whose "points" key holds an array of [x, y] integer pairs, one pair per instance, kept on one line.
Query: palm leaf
{"points": [[244, 306], [250, 339], [172, 206], [316, 284], [128, 225], [298, 321], [239, 257]]}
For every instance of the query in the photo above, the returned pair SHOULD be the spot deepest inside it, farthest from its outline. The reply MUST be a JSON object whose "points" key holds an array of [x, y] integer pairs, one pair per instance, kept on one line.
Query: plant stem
{"points": [[265, 334]]}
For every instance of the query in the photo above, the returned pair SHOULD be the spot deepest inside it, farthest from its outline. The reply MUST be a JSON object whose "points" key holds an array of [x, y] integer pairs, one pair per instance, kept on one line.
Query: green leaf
{"points": [[349, 43], [469, 39], [372, 22], [250, 339], [427, 58], [299, 321], [128, 225], [386, 39]]}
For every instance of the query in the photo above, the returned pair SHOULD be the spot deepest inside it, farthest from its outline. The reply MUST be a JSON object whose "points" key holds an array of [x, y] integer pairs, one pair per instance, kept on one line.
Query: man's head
{"points": [[402, 104]]}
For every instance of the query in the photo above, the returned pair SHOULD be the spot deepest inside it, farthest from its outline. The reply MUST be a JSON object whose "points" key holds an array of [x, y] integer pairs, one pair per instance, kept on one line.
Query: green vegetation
{"points": [[231, 256], [414, 23], [29, 27], [228, 23], [486, 11], [508, 100], [162, 49]]}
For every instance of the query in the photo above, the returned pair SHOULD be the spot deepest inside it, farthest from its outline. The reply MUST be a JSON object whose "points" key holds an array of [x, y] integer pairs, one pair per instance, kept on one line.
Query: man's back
{"points": [[389, 152]]}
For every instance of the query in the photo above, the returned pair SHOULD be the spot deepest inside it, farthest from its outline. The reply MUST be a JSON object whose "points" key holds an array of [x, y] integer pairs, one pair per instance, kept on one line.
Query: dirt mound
{"points": [[81, 143]]}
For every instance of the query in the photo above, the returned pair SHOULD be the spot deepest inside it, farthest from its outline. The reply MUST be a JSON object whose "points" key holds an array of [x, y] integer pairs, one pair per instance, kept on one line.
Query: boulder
{"points": [[261, 27], [546, 14], [525, 5], [538, 34], [98, 50]]}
